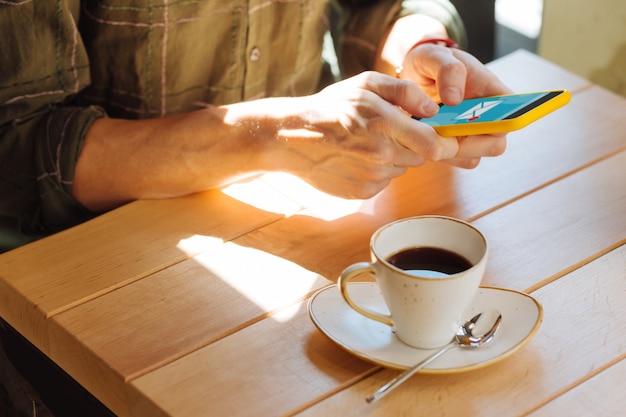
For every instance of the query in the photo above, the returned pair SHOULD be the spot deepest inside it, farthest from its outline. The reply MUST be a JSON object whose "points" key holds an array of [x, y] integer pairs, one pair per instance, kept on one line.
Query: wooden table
{"points": [[198, 306]]}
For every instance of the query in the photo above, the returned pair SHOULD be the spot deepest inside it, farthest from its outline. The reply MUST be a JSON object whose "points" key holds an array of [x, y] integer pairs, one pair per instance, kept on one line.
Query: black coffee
{"points": [[425, 258]]}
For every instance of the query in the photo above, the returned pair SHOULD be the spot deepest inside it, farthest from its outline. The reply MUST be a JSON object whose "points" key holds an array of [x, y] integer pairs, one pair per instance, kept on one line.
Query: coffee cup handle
{"points": [[346, 276]]}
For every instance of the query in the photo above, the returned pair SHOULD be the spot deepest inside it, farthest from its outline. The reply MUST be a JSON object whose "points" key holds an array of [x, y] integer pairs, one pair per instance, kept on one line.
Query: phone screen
{"points": [[489, 109]]}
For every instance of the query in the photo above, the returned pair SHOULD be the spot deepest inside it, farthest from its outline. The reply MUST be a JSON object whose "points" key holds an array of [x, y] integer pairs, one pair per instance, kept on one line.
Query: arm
{"points": [[349, 140]]}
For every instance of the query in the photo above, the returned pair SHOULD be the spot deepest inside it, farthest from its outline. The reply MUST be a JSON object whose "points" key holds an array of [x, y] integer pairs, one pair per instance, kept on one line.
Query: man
{"points": [[102, 104]]}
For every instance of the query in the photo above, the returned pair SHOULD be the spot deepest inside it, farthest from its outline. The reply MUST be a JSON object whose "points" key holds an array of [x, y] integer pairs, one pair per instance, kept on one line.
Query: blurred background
{"points": [[587, 37]]}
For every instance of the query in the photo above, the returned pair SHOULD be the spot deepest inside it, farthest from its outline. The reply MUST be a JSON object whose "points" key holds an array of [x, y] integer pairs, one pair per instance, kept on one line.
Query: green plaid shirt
{"points": [[65, 63]]}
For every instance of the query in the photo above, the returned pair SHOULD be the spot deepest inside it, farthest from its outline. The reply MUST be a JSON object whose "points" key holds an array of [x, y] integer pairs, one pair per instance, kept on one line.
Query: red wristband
{"points": [[437, 41]]}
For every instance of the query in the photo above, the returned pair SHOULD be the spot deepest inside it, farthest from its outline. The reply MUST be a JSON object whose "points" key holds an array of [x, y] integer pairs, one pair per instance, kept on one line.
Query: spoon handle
{"points": [[388, 387]]}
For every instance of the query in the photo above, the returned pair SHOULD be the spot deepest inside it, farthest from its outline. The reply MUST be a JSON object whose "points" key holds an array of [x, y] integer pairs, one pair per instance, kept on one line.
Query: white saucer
{"points": [[376, 343]]}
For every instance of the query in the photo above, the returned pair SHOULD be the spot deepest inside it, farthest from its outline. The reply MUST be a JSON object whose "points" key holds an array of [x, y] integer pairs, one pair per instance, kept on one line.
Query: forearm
{"points": [[125, 160]]}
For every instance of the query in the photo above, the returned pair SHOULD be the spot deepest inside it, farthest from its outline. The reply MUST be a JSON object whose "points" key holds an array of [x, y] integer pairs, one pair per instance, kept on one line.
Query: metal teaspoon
{"points": [[474, 333]]}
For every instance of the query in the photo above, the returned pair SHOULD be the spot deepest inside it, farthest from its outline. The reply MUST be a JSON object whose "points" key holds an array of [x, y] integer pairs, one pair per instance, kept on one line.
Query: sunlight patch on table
{"points": [[270, 282], [257, 193], [287, 194], [197, 244]]}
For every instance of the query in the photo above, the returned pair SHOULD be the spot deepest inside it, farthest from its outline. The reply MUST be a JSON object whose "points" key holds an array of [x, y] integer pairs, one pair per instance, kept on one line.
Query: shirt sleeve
{"points": [[41, 128], [358, 28]]}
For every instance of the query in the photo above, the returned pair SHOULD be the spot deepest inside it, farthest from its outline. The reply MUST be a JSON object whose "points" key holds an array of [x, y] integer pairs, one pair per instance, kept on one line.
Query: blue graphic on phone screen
{"points": [[482, 109]]}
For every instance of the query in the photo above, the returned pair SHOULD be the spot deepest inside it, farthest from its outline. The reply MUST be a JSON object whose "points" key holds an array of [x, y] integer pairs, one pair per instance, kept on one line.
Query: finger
{"points": [[389, 142], [481, 145], [481, 81], [439, 72], [393, 151], [424, 140], [401, 93], [466, 163]]}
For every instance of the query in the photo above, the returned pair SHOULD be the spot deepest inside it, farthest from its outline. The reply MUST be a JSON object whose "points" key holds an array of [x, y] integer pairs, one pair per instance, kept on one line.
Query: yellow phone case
{"points": [[507, 125]]}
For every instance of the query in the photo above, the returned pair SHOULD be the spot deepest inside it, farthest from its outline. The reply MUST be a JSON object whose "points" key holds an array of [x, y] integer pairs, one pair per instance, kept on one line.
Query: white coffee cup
{"points": [[425, 305]]}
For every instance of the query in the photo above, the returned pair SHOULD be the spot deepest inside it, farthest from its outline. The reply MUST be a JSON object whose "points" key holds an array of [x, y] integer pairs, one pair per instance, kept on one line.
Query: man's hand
{"points": [[450, 75]]}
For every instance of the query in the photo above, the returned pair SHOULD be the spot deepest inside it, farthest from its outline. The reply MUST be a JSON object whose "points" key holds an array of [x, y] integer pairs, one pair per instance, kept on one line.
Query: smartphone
{"points": [[497, 114]]}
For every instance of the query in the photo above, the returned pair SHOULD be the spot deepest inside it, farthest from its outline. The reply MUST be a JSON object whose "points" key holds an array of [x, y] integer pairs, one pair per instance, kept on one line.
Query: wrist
{"points": [[272, 130], [401, 35]]}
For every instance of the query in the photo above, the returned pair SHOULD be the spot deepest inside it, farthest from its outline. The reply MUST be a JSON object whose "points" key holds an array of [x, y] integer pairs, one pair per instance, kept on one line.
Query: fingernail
{"points": [[430, 107], [453, 95]]}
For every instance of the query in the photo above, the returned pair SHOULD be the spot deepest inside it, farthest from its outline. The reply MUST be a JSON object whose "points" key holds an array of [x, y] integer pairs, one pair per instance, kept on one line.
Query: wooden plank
{"points": [[18, 308], [600, 396], [153, 321], [71, 267], [302, 367], [266, 369], [524, 72], [558, 228]]}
